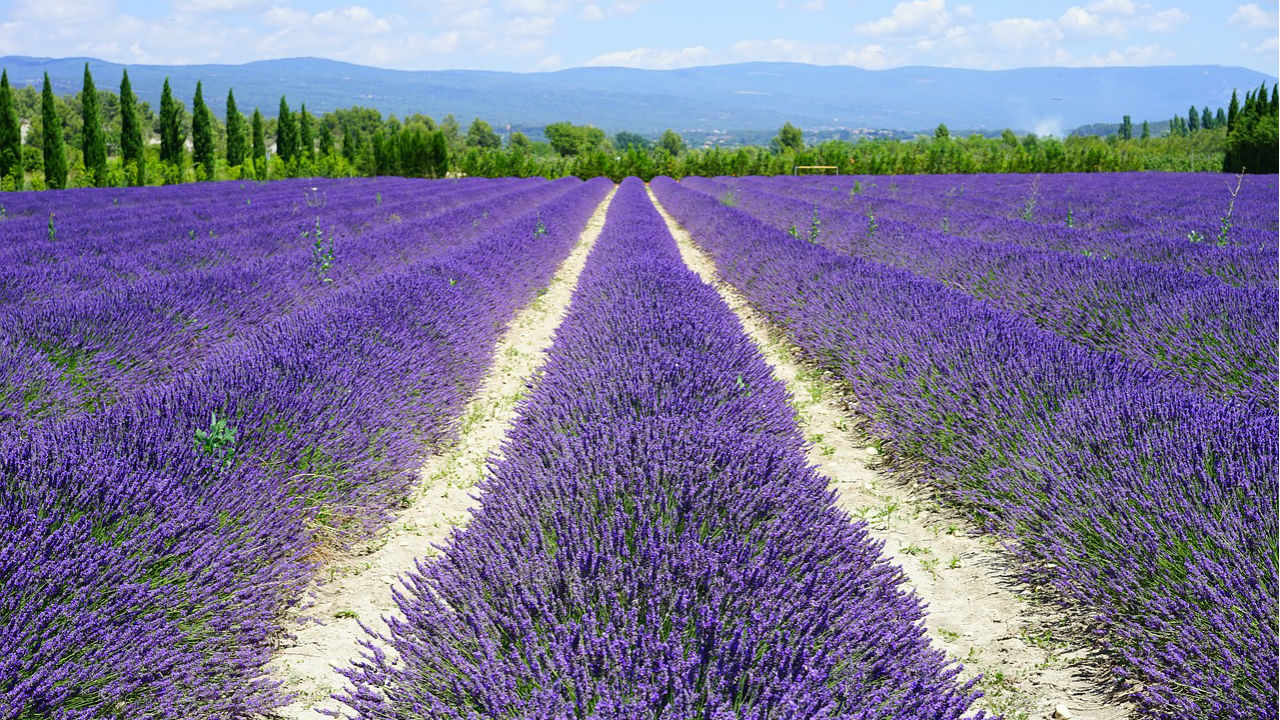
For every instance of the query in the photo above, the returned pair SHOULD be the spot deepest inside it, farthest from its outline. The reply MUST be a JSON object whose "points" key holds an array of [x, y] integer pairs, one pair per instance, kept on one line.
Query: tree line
{"points": [[102, 138]]}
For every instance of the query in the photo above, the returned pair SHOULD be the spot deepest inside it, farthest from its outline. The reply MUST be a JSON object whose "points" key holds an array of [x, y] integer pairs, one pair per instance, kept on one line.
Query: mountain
{"points": [[739, 97]]}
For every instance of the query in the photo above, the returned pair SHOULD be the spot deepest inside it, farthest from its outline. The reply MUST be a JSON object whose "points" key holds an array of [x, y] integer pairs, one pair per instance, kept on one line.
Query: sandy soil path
{"points": [[358, 586], [976, 612]]}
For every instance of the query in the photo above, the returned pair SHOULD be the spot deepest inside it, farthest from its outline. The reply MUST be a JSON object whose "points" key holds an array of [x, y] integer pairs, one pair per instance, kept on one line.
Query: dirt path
{"points": [[976, 613], [357, 587]]}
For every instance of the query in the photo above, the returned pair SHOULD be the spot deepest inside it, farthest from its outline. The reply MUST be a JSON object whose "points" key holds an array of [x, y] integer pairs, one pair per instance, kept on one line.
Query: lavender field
{"points": [[213, 395]]}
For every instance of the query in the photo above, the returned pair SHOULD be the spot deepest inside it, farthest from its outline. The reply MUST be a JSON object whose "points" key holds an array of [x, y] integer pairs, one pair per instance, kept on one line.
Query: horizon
{"points": [[550, 35], [287, 58]]}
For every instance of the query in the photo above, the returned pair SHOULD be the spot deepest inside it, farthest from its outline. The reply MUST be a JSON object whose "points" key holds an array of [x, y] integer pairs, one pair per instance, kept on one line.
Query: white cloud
{"points": [[810, 6], [523, 27], [652, 58], [778, 50], [1112, 7], [1139, 55], [591, 13], [1079, 21], [1253, 17], [871, 57], [217, 6], [1267, 47], [1164, 21], [911, 17], [62, 10], [1018, 33], [284, 16]]}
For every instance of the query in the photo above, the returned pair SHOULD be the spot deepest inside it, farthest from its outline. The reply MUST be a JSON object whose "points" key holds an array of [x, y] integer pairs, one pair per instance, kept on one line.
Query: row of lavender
{"points": [[146, 550], [1173, 204], [86, 239], [1217, 338], [106, 334], [653, 543], [1150, 506], [1099, 217]]}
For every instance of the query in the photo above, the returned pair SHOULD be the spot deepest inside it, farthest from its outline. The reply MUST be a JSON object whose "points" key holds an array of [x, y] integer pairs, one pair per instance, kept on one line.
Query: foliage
{"points": [[94, 145], [55, 155]]}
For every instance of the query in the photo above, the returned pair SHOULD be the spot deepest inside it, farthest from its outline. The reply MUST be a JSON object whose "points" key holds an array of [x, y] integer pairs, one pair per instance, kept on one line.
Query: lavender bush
{"points": [[1150, 507], [148, 549], [653, 544], [1219, 339]]}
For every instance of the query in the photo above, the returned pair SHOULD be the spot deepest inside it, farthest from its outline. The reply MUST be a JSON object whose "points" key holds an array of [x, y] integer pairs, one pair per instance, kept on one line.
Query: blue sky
{"points": [[526, 35]]}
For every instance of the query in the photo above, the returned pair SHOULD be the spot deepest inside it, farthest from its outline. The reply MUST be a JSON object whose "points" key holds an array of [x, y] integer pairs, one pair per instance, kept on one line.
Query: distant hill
{"points": [[741, 97]]}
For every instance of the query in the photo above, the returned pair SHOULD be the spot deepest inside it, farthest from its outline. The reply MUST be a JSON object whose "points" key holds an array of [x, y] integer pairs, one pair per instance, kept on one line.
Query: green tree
{"points": [[941, 132], [1220, 119], [480, 134], [671, 142], [172, 135], [790, 138], [439, 155], [326, 140], [627, 140], [202, 148], [286, 134], [235, 132], [55, 155], [306, 142], [519, 142], [571, 140], [1126, 128], [10, 131], [1233, 111], [1146, 130], [131, 132], [1206, 118], [92, 137], [1193, 119], [259, 147]]}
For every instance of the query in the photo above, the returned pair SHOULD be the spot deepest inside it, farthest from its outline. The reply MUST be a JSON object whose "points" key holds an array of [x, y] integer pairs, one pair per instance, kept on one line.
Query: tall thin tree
{"points": [[286, 133], [131, 132], [259, 147], [306, 143], [235, 132], [55, 154], [93, 140], [172, 135], [10, 131], [202, 148]]}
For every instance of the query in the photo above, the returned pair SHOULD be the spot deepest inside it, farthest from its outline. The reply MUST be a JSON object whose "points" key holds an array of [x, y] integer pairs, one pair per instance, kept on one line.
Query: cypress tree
{"points": [[202, 149], [130, 130], [259, 147], [1146, 130], [326, 140], [350, 142], [1193, 119], [1126, 128], [55, 155], [1275, 98], [1233, 111], [235, 132], [10, 131], [1220, 120], [93, 144], [172, 136], [306, 144], [286, 135], [1206, 118], [439, 154]]}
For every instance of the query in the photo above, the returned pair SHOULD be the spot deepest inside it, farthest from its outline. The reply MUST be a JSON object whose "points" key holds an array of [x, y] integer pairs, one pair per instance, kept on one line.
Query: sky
{"points": [[531, 35]]}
